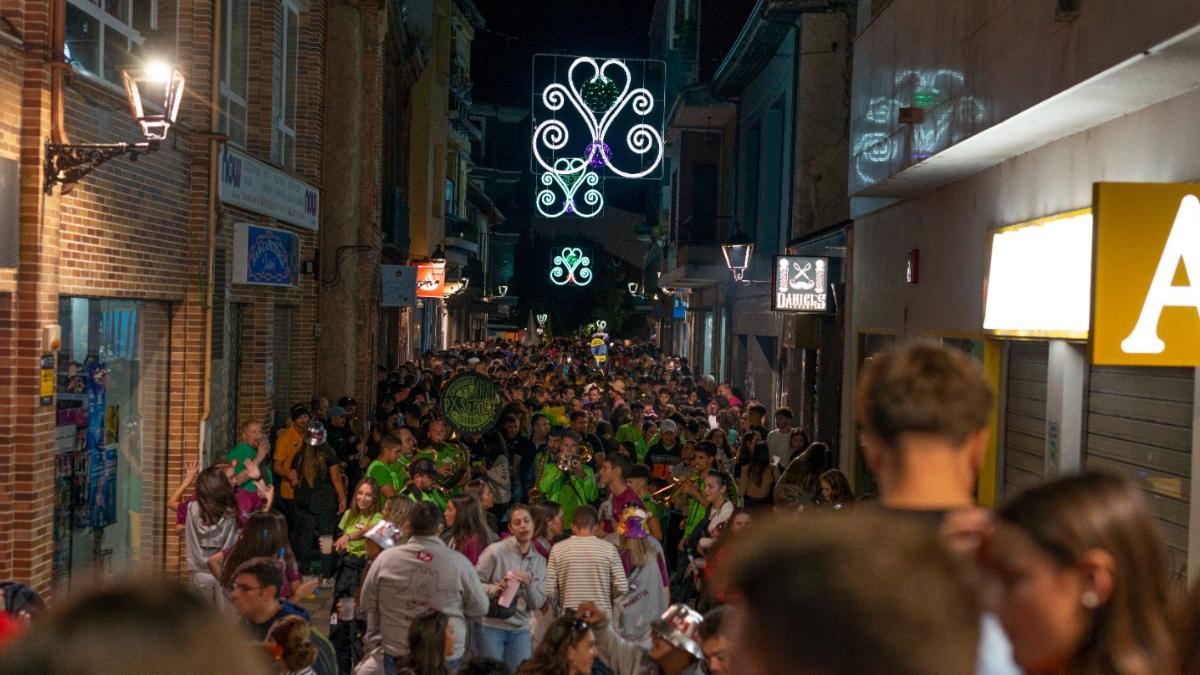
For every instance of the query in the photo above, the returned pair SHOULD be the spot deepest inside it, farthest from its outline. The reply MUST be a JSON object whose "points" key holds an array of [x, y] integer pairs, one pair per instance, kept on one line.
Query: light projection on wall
{"points": [[882, 146], [594, 118], [571, 266], [559, 196]]}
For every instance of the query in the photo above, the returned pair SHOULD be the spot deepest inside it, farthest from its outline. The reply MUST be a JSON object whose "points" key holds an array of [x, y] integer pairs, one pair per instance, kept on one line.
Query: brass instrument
{"points": [[455, 465], [534, 496], [567, 463], [664, 496]]}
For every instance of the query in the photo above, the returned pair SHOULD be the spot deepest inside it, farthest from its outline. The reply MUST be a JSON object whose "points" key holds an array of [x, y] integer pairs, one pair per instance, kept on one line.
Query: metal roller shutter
{"points": [[1140, 425], [1025, 416]]}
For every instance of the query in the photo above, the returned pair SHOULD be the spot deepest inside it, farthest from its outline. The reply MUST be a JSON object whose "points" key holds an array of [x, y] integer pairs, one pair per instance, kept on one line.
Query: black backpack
{"points": [[21, 600]]}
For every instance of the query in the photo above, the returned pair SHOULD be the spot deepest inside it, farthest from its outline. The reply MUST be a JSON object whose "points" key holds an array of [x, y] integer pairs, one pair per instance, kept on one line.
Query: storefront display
{"points": [[111, 381]]}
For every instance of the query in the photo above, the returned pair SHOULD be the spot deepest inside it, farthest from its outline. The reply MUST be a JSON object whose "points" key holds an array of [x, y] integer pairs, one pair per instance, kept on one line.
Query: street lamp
{"points": [[738, 250], [439, 257], [67, 164]]}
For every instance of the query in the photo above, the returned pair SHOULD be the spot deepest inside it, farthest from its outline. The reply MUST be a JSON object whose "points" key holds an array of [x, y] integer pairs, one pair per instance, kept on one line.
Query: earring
{"points": [[1089, 599]]}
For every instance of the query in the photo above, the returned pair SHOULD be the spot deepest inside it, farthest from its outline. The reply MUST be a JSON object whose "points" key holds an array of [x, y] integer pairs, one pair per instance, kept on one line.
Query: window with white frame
{"points": [[286, 61], [104, 36], [235, 50]]}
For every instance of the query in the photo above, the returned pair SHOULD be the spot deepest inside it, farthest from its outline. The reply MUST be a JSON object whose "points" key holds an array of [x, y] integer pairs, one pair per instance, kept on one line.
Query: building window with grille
{"points": [[286, 60], [235, 49], [104, 36]]}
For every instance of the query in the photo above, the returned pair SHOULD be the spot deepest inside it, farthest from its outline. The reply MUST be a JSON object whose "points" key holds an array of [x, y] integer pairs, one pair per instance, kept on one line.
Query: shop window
{"points": [[235, 49], [103, 36], [110, 437]]}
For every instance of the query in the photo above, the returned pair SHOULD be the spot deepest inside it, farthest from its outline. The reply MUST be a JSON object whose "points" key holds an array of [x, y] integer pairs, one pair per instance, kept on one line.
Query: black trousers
{"points": [[314, 514]]}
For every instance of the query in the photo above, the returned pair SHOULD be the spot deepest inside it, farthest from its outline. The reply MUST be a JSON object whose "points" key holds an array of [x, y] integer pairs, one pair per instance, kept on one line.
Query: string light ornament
{"points": [[593, 118], [571, 266], [558, 197]]}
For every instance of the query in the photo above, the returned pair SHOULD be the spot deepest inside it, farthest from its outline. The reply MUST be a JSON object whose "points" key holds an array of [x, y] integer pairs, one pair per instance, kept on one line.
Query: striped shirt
{"points": [[582, 569]]}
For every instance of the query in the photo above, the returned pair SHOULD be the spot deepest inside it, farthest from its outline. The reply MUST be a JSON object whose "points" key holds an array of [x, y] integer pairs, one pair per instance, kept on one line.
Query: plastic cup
{"points": [[326, 541], [346, 609]]}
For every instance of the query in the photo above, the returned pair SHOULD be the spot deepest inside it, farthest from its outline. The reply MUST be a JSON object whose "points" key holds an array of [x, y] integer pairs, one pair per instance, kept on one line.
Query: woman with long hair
{"points": [[430, 641], [289, 643], [265, 535], [646, 569], [547, 528], [836, 492], [805, 471], [1084, 575], [720, 509], [757, 481], [363, 513], [211, 527], [319, 498], [569, 648], [797, 443], [466, 531]]}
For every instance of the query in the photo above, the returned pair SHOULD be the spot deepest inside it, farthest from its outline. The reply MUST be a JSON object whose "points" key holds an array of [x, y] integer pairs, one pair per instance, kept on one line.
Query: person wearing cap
{"points": [[674, 643], [423, 486], [666, 452], [287, 446], [343, 442], [646, 568], [780, 439]]}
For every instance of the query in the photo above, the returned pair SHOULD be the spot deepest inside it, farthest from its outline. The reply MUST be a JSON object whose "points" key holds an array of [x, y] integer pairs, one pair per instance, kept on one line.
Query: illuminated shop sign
{"points": [[800, 284]]}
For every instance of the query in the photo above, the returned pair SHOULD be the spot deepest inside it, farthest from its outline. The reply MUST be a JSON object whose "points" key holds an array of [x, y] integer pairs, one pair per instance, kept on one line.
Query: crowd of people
{"points": [[633, 517]]}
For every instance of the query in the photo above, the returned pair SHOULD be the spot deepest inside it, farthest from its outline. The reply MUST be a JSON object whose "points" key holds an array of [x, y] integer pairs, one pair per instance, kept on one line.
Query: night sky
{"points": [[502, 54]]}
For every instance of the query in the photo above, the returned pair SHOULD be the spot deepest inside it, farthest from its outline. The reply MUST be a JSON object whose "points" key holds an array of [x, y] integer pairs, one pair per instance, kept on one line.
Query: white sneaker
{"points": [[327, 582]]}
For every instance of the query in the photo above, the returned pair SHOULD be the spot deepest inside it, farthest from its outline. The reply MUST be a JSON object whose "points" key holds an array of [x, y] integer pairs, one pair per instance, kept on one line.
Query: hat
{"points": [[347, 401], [299, 410], [422, 465], [630, 523], [679, 627], [338, 411], [385, 534], [474, 360], [315, 433], [668, 427], [618, 385]]}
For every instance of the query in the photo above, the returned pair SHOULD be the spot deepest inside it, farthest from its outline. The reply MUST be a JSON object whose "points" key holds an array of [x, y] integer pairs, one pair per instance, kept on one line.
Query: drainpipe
{"points": [[212, 225], [58, 63]]}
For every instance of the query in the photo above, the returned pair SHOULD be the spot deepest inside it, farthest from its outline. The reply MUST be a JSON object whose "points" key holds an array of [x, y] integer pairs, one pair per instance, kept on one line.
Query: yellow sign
{"points": [[46, 393], [1146, 275]]}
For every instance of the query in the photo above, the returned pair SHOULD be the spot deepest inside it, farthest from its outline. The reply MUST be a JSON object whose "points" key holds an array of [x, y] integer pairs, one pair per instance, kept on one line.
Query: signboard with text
{"points": [[470, 403], [264, 256], [1146, 275], [256, 186], [800, 284]]}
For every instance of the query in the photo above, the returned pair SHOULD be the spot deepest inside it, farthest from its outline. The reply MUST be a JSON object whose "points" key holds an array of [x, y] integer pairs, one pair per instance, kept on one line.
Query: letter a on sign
{"points": [[1146, 275], [1183, 246]]}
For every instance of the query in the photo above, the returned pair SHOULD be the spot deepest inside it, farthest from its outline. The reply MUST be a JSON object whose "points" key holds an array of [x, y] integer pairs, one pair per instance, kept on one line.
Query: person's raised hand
{"points": [[590, 613]]}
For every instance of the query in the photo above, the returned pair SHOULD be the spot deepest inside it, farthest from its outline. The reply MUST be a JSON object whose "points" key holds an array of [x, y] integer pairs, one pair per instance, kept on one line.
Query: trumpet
{"points": [[569, 462]]}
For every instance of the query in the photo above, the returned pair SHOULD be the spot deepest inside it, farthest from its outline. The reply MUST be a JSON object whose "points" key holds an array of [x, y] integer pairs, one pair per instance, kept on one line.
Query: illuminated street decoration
{"points": [[553, 203], [571, 266], [541, 319], [602, 94], [601, 325], [880, 148]]}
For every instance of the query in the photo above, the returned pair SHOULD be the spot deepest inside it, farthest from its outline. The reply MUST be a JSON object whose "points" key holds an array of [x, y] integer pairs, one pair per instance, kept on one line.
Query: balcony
{"points": [[693, 256]]}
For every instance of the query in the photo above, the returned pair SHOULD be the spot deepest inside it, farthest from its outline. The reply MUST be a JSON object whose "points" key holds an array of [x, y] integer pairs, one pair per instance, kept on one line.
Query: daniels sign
{"points": [[800, 284]]}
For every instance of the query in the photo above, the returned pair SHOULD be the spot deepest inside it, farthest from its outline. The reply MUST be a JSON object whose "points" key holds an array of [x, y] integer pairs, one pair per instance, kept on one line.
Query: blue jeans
{"points": [[513, 647]]}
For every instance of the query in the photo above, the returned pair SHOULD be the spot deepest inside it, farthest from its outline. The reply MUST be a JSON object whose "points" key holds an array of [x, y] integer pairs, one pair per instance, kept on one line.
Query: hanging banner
{"points": [[431, 280]]}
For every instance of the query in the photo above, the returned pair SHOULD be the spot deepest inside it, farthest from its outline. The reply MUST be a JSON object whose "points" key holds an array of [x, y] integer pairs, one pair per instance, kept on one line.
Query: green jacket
{"points": [[569, 492]]}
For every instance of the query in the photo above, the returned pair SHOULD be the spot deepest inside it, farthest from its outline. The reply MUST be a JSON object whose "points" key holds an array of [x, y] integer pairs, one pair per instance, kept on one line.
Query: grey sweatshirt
{"points": [[502, 556]]}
